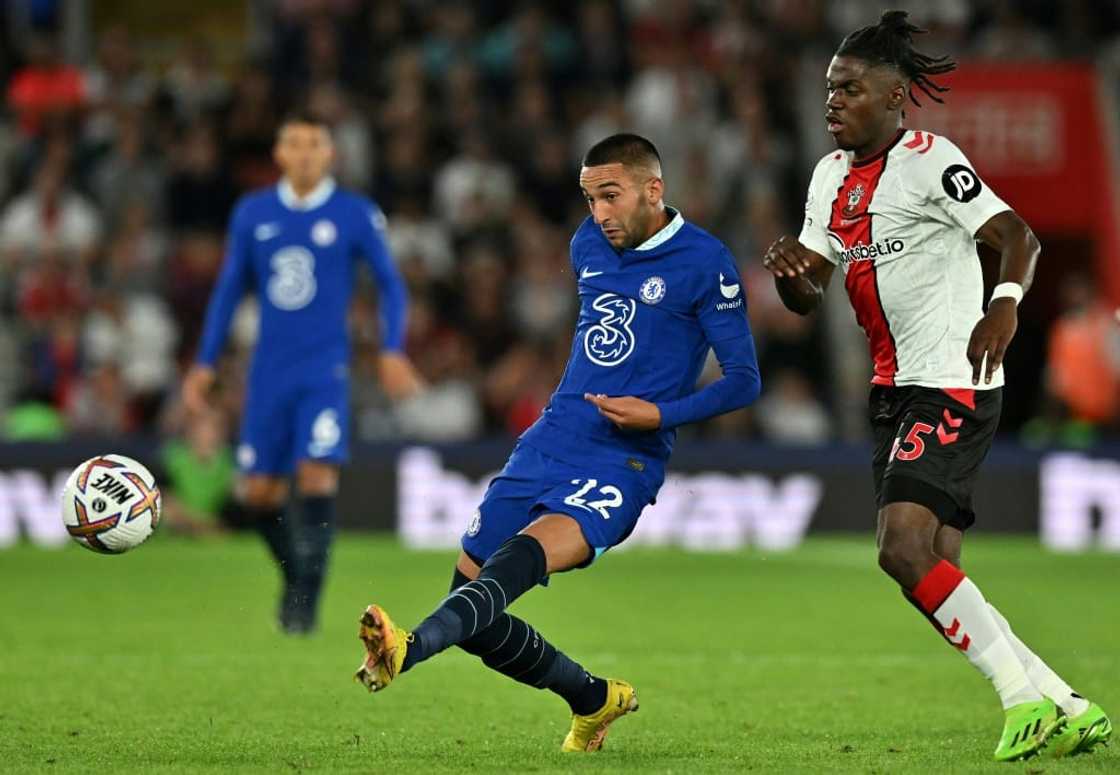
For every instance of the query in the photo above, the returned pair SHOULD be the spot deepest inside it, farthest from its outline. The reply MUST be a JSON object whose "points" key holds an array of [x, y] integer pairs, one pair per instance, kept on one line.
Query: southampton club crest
{"points": [[854, 197], [653, 290]]}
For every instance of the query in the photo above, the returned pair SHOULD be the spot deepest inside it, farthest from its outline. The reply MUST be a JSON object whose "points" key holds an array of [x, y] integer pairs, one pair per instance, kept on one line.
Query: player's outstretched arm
{"points": [[1019, 250], [801, 275]]}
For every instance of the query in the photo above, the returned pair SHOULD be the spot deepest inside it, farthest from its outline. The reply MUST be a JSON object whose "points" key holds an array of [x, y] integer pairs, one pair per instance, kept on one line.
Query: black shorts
{"points": [[929, 444]]}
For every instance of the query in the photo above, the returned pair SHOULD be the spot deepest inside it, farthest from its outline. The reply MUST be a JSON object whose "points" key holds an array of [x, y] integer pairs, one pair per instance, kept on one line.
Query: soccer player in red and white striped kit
{"points": [[899, 211]]}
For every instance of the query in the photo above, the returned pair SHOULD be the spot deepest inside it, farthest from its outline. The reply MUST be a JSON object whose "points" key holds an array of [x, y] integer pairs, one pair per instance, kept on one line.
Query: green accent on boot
{"points": [[1026, 730], [1081, 733]]}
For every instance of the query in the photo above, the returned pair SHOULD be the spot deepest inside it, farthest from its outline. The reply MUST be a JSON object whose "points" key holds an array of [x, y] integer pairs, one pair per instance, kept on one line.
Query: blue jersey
{"points": [[648, 317], [298, 256]]}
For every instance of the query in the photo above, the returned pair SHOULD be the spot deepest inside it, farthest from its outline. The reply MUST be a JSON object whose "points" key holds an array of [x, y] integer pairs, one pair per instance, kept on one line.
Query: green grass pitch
{"points": [[167, 660]]}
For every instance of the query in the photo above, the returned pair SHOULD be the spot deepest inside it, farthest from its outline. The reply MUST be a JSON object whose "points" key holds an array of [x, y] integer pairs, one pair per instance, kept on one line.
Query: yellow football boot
{"points": [[587, 732], [386, 644]]}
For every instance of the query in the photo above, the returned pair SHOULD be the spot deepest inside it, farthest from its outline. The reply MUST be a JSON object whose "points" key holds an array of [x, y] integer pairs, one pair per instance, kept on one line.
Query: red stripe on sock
{"points": [[937, 585]]}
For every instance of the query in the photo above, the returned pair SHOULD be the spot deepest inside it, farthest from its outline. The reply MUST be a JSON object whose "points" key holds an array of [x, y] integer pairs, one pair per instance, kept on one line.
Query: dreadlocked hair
{"points": [[890, 42]]}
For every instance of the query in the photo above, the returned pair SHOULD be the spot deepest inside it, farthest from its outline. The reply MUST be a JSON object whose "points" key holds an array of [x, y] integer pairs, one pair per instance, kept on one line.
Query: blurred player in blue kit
{"points": [[656, 294], [294, 245]]}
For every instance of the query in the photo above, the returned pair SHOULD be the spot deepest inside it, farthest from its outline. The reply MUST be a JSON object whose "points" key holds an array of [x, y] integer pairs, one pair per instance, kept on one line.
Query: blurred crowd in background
{"points": [[466, 121]]}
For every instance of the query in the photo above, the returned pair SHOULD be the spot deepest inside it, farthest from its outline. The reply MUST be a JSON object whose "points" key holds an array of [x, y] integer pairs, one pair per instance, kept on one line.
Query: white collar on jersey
{"points": [[320, 194], [666, 233]]}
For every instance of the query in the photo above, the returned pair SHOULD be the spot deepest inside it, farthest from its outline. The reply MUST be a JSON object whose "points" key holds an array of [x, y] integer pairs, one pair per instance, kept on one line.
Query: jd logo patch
{"points": [[961, 183]]}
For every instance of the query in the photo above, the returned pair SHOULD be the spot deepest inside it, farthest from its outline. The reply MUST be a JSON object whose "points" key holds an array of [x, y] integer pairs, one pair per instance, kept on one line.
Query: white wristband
{"points": [[1008, 291]]}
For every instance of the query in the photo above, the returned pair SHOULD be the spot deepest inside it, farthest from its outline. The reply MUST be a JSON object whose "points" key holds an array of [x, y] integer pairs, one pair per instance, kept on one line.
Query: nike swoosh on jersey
{"points": [[728, 291], [588, 273], [266, 231]]}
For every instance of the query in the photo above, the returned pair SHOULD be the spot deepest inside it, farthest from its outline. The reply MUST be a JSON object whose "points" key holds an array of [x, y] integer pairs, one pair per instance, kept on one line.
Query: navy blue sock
{"points": [[313, 544], [515, 649], [272, 525], [512, 570]]}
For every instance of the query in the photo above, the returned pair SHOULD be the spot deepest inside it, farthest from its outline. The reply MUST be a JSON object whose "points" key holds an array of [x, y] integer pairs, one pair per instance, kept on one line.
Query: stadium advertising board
{"points": [[717, 497], [1038, 134], [1032, 132]]}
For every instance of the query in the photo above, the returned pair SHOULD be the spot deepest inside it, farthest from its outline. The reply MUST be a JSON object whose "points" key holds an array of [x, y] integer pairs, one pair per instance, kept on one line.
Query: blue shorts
{"points": [[286, 424], [605, 500]]}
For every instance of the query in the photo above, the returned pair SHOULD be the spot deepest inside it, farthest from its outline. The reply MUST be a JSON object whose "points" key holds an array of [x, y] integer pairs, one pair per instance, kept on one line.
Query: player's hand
{"points": [[627, 412], [196, 388], [990, 338], [786, 257], [399, 378]]}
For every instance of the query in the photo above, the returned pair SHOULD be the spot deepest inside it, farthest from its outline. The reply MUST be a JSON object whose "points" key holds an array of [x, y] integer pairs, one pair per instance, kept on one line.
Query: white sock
{"points": [[1045, 680], [956, 604]]}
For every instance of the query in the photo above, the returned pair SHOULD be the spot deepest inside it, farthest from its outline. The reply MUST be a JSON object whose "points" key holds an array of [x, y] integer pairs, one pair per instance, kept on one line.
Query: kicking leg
{"points": [[907, 533], [514, 649], [474, 618], [552, 543]]}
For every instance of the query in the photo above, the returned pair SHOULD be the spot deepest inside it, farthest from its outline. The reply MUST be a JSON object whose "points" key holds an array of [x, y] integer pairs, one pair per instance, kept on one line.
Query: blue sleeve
{"points": [[232, 283], [577, 248], [722, 313], [392, 296]]}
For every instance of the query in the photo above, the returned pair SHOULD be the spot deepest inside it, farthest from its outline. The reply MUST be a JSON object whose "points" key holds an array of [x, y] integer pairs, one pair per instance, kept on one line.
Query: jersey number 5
{"points": [[917, 444], [612, 500]]}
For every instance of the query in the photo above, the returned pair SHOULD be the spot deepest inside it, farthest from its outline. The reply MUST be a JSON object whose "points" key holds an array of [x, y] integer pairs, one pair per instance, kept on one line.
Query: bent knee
{"points": [[905, 559]]}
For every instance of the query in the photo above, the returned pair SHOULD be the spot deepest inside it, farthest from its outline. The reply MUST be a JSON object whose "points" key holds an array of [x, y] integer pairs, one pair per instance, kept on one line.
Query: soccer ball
{"points": [[110, 504]]}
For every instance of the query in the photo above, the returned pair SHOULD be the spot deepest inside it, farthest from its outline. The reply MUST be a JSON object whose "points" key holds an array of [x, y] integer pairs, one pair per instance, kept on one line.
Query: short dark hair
{"points": [[890, 42], [627, 149], [303, 116]]}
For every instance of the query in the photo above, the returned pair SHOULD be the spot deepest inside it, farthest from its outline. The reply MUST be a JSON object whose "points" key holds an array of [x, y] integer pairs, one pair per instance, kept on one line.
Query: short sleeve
{"points": [[814, 229], [947, 180]]}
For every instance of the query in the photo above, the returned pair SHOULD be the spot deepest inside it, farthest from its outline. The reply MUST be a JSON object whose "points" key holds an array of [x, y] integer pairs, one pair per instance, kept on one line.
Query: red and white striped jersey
{"points": [[901, 225]]}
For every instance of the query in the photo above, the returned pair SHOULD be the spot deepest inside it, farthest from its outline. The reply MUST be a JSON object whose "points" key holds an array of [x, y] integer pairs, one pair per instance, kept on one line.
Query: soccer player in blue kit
{"points": [[293, 245], [656, 293]]}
